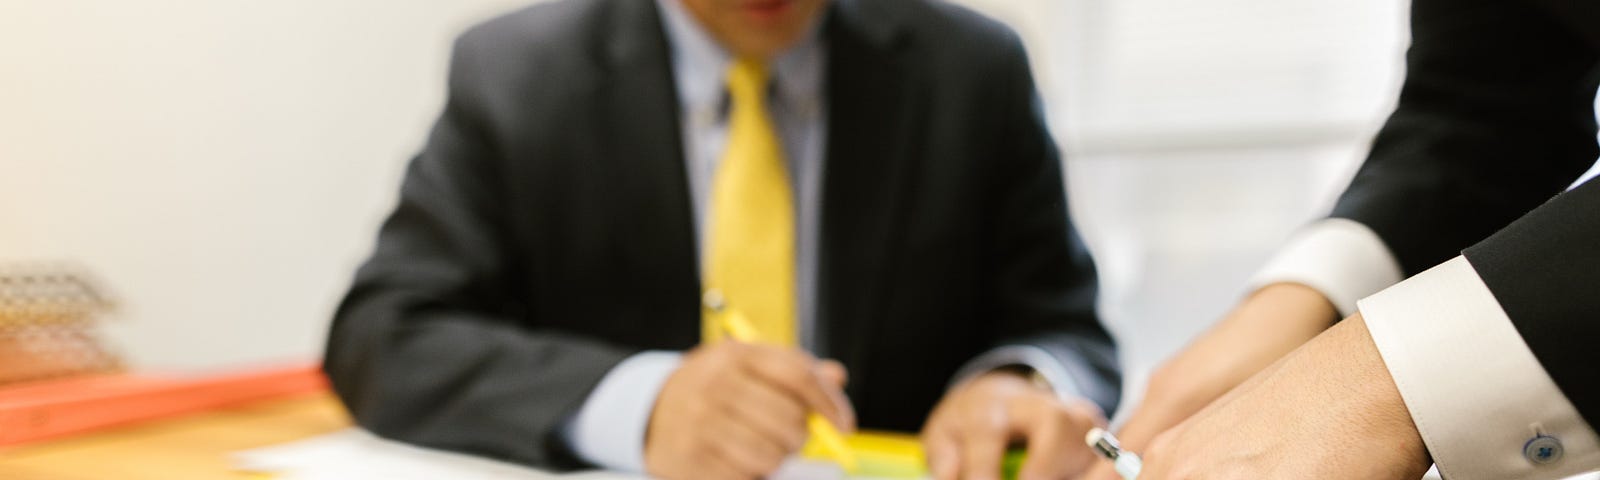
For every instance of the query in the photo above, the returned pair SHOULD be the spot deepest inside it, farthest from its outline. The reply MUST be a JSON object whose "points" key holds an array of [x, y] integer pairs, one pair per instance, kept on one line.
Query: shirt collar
{"points": [[699, 63]]}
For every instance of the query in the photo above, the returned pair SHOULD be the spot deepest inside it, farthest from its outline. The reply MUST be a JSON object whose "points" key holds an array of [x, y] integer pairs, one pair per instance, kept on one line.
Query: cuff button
{"points": [[1543, 450]]}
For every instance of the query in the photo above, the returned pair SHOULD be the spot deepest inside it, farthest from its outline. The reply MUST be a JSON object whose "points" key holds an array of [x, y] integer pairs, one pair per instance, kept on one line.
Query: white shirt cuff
{"points": [[1473, 387], [1040, 361], [1587, 176], [609, 428], [1340, 258]]}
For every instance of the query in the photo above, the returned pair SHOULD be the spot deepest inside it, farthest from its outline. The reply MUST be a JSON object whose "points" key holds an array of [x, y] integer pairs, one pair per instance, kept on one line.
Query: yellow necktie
{"points": [[750, 268]]}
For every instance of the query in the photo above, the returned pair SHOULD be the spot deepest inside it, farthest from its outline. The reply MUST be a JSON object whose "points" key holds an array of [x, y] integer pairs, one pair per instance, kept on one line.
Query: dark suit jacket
{"points": [[544, 233], [1497, 117]]}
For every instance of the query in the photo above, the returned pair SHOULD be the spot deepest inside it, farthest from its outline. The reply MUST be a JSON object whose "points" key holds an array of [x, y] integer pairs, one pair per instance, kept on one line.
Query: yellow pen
{"points": [[740, 329]]}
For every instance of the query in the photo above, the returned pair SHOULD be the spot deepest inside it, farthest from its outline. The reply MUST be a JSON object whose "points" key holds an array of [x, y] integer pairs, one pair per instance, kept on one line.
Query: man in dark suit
{"points": [[563, 243], [1484, 359]]}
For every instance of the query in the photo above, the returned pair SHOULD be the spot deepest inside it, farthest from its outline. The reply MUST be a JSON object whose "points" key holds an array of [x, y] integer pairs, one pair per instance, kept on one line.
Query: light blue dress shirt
{"points": [[609, 428]]}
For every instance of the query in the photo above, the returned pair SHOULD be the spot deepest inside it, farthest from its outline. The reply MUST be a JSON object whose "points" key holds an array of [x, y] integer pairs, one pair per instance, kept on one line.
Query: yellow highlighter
{"points": [[740, 329]]}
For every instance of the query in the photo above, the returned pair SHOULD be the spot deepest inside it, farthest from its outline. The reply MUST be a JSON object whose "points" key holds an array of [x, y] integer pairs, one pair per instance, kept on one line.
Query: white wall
{"points": [[224, 163], [221, 163]]}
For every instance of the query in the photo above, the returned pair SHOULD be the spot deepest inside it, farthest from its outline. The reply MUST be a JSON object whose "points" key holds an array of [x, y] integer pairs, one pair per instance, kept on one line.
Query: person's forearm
{"points": [[1265, 327], [1327, 410]]}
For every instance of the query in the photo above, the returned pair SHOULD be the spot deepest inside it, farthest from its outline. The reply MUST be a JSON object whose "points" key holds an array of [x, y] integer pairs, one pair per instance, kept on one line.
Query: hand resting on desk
{"points": [[737, 411]]}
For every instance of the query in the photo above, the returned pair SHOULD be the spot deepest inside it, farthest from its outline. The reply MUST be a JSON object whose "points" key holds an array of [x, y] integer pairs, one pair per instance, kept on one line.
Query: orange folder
{"points": [[55, 408]]}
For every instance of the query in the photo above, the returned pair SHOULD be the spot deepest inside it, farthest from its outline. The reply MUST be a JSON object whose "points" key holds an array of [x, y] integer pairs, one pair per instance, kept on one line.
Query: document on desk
{"points": [[356, 454]]}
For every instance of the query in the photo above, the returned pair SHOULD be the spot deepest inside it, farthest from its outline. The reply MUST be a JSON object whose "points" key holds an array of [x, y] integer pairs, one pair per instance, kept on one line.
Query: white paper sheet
{"points": [[359, 455]]}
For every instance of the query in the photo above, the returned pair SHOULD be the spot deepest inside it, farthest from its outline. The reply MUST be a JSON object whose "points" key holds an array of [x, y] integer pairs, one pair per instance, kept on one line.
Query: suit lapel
{"points": [[644, 157], [871, 144]]}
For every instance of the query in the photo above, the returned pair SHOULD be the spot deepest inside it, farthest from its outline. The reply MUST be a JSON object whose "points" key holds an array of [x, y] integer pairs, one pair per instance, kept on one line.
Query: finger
{"points": [[1102, 470], [1143, 426], [792, 370], [833, 373], [746, 450], [700, 461], [1050, 430], [1085, 412], [769, 411], [983, 439], [716, 468], [940, 444]]}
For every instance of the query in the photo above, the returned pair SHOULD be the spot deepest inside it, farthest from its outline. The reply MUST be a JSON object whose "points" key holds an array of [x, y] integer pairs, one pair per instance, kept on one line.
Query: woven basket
{"points": [[48, 316]]}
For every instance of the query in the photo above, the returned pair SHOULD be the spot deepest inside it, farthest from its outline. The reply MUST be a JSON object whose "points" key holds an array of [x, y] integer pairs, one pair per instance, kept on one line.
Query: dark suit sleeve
{"points": [[431, 346], [1495, 117], [1544, 270], [1044, 282]]}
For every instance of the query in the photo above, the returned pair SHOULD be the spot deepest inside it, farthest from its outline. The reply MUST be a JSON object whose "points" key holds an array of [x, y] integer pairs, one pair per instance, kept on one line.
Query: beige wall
{"points": [[221, 163]]}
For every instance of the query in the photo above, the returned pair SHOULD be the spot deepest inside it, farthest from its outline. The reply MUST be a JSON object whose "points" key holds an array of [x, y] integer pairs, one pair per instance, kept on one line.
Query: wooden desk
{"points": [[191, 447]]}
